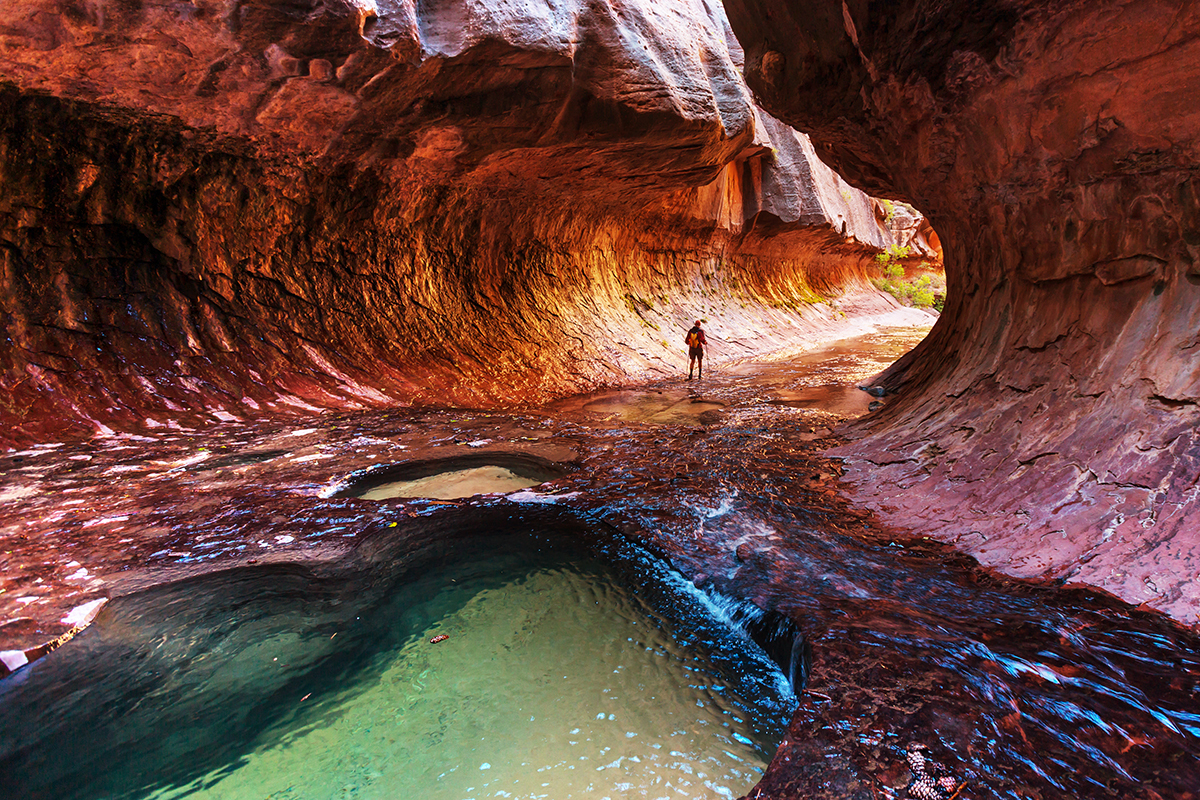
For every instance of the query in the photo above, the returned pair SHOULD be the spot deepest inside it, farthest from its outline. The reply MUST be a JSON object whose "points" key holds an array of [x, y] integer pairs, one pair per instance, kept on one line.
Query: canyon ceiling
{"points": [[216, 210]]}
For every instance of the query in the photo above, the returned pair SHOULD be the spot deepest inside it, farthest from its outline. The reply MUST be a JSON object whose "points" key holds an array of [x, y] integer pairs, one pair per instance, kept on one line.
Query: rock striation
{"points": [[220, 210], [1048, 424]]}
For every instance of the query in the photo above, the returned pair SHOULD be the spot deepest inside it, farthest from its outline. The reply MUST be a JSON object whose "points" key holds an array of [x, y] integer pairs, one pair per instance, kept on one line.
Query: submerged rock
{"points": [[235, 210]]}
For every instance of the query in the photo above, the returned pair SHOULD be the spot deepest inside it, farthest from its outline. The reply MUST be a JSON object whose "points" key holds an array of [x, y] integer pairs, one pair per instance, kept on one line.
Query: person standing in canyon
{"points": [[695, 341]]}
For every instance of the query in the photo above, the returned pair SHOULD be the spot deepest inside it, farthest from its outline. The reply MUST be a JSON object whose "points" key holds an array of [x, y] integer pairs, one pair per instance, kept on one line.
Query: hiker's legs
{"points": [[691, 366], [700, 366]]}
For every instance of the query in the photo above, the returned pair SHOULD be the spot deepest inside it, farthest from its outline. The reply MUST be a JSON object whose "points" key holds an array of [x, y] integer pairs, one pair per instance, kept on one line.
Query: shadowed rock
{"points": [[1048, 422]]}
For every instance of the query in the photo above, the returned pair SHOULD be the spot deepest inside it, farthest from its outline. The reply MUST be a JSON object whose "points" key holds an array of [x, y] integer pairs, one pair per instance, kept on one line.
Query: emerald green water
{"points": [[556, 682]]}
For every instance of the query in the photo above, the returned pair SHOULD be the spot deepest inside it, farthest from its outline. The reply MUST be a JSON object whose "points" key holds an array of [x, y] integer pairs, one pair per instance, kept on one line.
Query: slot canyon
{"points": [[277, 272]]}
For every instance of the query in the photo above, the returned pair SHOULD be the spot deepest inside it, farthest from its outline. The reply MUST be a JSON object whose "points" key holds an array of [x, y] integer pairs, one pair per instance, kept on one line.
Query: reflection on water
{"points": [[844, 401], [554, 681], [660, 407], [825, 381]]}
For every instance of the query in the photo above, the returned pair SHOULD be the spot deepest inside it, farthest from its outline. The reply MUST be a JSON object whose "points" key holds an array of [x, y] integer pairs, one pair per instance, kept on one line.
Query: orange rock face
{"points": [[227, 210], [1048, 423]]}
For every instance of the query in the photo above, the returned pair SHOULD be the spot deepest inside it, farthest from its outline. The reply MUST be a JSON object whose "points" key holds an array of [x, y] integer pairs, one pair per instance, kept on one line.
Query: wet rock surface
{"points": [[1017, 690], [1048, 424]]}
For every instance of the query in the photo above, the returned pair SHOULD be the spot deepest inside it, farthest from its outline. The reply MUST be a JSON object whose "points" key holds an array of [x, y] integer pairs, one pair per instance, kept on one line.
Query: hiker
{"points": [[695, 340]]}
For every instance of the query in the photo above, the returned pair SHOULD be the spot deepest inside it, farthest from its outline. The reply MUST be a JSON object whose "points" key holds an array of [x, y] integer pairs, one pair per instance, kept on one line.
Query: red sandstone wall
{"points": [[217, 210], [154, 277], [1048, 423]]}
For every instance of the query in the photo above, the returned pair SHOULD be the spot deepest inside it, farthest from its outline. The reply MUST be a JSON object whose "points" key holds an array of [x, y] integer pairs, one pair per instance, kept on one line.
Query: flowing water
{"points": [[1017, 690]]}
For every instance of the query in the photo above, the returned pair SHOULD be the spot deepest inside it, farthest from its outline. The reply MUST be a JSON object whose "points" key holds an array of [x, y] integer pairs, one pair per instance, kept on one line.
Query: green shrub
{"points": [[920, 292]]}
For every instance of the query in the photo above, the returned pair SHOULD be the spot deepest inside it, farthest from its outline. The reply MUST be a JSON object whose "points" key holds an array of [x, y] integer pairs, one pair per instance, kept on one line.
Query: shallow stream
{"points": [[1015, 690]]}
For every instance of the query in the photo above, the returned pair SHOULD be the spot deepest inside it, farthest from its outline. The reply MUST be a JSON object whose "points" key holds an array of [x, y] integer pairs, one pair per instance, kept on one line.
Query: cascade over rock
{"points": [[216, 210], [1048, 424]]}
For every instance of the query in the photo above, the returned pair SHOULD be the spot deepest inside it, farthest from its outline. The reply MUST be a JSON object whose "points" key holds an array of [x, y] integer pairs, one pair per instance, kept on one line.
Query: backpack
{"points": [[693, 339]]}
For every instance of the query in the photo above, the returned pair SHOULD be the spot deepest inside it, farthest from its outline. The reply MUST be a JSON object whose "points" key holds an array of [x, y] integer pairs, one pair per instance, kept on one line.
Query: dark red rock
{"points": [[1048, 423]]}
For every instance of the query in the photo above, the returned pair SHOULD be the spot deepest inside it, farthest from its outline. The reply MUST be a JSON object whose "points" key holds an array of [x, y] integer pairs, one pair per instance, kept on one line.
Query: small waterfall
{"points": [[777, 635], [781, 639]]}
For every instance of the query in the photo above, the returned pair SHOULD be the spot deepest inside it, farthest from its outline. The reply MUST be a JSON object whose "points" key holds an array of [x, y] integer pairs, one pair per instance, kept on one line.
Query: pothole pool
{"points": [[451, 478], [508, 666]]}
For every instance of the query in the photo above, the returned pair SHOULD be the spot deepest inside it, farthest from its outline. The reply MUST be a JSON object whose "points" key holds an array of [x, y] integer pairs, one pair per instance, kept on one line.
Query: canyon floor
{"points": [[1016, 689]]}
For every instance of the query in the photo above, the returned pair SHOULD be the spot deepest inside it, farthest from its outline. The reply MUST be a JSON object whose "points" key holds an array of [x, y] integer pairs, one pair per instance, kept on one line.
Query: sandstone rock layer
{"points": [[1048, 423], [222, 210]]}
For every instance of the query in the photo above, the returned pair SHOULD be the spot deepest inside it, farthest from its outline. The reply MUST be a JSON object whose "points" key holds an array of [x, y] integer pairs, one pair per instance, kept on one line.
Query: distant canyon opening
{"points": [[292, 289]]}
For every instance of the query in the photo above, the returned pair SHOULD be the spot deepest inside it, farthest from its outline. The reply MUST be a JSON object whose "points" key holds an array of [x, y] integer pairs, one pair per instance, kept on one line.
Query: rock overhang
{"points": [[1045, 424], [344, 81], [333, 202]]}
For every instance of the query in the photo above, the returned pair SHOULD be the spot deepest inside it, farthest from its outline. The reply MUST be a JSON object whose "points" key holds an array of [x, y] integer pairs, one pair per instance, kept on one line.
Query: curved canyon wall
{"points": [[1048, 424], [221, 209]]}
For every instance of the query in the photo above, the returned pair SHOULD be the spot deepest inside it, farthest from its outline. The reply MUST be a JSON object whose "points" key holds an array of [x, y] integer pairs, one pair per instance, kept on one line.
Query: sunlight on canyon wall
{"points": [[226, 210]]}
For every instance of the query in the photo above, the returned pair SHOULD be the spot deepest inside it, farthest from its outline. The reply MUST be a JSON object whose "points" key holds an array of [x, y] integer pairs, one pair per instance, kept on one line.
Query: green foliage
{"points": [[922, 292], [892, 207], [892, 254], [636, 304]]}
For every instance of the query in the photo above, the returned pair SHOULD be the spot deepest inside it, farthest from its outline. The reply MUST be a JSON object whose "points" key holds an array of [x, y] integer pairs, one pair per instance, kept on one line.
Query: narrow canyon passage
{"points": [[285, 283], [1016, 690]]}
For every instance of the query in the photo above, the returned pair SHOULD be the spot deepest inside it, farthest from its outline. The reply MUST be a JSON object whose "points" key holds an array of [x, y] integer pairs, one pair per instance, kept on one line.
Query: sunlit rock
{"points": [[220, 211]]}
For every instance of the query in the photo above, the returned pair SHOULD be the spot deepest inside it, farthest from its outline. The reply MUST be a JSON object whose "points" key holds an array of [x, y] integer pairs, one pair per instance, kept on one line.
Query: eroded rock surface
{"points": [[1048, 423], [225, 210], [1019, 691]]}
